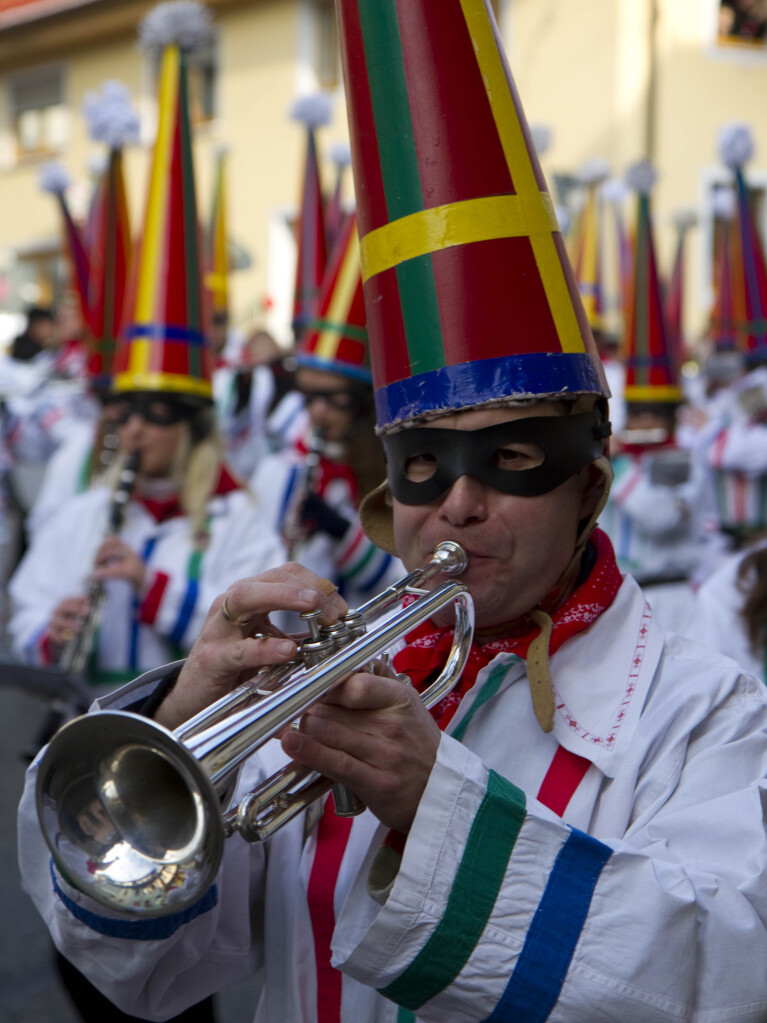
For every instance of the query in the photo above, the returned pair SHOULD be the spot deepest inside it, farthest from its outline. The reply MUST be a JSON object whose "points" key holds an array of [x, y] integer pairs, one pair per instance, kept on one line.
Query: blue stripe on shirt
{"points": [[537, 980], [156, 929]]}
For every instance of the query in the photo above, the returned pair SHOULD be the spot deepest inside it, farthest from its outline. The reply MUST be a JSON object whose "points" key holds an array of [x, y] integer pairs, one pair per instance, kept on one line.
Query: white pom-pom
{"points": [[614, 190], [723, 203], [110, 117], [684, 218], [341, 154], [593, 171], [541, 135], [735, 145], [564, 218], [54, 178], [184, 22], [641, 176], [312, 111]]}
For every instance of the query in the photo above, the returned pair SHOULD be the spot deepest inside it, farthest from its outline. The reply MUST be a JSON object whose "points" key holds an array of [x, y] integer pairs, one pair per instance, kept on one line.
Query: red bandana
{"points": [[428, 648], [328, 471], [169, 507]]}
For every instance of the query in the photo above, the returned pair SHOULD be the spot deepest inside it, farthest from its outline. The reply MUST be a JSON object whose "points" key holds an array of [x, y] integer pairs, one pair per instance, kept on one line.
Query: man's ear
{"points": [[596, 485]]}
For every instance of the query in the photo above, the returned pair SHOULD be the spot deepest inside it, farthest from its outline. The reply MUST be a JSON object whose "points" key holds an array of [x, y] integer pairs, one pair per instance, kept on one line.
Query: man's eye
{"points": [[420, 467], [521, 456]]}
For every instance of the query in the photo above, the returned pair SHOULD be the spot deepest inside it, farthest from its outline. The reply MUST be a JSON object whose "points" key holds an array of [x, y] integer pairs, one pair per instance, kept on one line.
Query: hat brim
{"points": [[377, 518]]}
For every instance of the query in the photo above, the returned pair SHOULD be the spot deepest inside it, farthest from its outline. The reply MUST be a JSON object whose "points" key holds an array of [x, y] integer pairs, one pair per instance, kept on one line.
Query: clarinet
{"points": [[293, 531], [75, 654]]}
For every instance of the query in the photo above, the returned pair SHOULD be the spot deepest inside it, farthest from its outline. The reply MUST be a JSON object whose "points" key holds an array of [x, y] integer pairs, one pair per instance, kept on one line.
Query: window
{"points": [[742, 23], [38, 113], [203, 83], [327, 57]]}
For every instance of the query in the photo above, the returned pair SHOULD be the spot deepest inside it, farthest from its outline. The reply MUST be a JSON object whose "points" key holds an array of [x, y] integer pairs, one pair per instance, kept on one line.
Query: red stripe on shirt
{"points": [[332, 836], [563, 777], [151, 602]]}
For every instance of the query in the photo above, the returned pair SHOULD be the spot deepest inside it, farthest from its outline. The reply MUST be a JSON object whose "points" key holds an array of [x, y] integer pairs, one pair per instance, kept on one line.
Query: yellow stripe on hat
{"points": [[456, 223], [165, 382], [343, 296], [650, 393], [157, 200], [521, 168]]}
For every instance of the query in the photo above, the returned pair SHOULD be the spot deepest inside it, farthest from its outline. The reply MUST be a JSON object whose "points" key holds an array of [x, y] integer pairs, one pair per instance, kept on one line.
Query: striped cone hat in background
{"points": [[336, 338], [673, 302], [111, 120], [469, 293], [163, 346], [587, 246], [312, 112], [341, 156], [749, 277], [652, 370], [55, 180], [722, 330], [216, 254]]}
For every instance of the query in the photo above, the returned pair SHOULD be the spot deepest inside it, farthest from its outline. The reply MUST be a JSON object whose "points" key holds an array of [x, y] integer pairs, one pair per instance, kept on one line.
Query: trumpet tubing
{"points": [[132, 811]]}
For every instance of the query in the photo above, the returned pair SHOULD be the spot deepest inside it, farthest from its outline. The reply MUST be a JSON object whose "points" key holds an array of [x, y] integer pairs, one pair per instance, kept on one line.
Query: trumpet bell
{"points": [[132, 822]]}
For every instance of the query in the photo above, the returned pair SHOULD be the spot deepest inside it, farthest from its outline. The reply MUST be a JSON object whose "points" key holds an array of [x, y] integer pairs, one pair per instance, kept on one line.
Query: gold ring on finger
{"points": [[230, 617]]}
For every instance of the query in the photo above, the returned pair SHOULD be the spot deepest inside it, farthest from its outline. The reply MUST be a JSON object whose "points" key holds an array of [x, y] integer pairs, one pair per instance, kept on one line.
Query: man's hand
{"points": [[66, 620], [375, 736], [227, 654]]}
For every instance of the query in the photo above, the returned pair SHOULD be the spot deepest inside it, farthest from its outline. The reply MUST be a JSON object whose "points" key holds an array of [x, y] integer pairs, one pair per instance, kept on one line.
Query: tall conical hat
{"points": [[749, 269], [312, 112], [55, 180], [673, 301], [614, 193], [341, 156], [652, 370], [470, 297], [722, 330], [163, 346], [112, 120], [337, 339], [216, 256], [587, 249]]}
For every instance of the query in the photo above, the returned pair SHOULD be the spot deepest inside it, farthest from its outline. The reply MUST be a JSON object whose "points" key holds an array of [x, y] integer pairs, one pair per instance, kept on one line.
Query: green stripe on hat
{"points": [[391, 107], [420, 314], [401, 180], [475, 889]]}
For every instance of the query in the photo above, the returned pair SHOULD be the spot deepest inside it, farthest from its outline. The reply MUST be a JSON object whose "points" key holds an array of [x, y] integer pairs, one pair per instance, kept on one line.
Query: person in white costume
{"points": [[577, 832], [730, 609], [180, 543]]}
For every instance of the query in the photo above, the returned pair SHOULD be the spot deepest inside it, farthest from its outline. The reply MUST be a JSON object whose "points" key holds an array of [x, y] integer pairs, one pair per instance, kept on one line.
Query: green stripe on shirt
{"points": [[475, 889]]}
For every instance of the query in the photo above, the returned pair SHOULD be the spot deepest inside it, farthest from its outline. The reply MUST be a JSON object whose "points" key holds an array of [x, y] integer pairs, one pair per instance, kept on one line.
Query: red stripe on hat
{"points": [[390, 361], [372, 211], [173, 295], [563, 777], [486, 314], [459, 157]]}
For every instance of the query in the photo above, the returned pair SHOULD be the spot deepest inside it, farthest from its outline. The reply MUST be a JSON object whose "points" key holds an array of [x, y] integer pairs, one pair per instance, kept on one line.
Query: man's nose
{"points": [[465, 501]]}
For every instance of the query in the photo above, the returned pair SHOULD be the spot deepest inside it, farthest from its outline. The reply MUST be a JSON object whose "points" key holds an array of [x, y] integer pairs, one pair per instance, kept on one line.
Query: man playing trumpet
{"points": [[576, 833]]}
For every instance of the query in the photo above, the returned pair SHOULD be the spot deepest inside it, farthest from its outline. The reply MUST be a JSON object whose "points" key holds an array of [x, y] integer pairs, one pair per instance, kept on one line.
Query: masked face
{"points": [[518, 546]]}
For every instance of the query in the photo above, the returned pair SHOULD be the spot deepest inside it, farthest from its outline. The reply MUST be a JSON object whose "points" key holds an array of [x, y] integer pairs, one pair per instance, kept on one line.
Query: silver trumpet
{"points": [[132, 812]]}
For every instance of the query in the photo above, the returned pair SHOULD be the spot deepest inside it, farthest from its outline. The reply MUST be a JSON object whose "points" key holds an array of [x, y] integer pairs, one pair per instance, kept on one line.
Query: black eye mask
{"points": [[567, 444]]}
